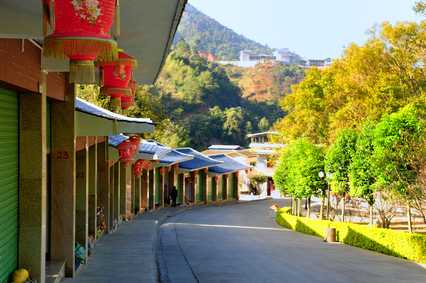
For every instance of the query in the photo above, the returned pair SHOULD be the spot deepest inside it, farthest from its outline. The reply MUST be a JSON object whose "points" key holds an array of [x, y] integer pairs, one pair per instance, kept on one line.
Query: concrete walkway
{"points": [[242, 243], [128, 254]]}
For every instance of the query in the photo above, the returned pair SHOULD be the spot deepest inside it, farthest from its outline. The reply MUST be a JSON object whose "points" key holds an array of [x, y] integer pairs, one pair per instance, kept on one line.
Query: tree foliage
{"points": [[298, 170], [377, 78], [339, 160]]}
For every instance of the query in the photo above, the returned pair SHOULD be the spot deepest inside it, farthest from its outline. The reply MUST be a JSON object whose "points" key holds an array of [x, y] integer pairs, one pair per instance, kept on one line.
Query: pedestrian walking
{"points": [[173, 196]]}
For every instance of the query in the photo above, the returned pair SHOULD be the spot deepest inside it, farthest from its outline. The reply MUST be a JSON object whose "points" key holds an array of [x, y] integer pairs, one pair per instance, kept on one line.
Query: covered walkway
{"points": [[128, 254]]}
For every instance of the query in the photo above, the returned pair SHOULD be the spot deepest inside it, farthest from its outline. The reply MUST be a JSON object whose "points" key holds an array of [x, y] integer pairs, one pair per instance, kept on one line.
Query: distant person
{"points": [[173, 196]]}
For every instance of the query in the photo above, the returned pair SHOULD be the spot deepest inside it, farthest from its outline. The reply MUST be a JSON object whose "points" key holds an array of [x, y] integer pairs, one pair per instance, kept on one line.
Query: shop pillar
{"points": [[103, 185], [32, 190], [63, 180], [82, 196], [93, 188]]}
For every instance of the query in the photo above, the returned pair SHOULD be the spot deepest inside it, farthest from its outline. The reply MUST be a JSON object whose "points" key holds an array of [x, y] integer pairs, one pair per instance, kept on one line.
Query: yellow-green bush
{"points": [[390, 242]]}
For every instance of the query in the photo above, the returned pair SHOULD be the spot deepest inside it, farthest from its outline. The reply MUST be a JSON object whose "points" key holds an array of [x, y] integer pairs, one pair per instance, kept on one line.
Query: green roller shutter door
{"points": [[9, 144]]}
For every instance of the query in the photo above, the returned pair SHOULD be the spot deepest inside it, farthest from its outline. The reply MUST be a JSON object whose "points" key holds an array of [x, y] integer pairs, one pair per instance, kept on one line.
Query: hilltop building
{"points": [[284, 56]]}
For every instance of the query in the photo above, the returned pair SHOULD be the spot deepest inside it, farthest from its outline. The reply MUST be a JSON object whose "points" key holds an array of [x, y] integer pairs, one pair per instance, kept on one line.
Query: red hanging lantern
{"points": [[126, 101], [141, 165], [116, 77], [126, 152], [133, 85], [137, 168], [81, 33], [135, 141]]}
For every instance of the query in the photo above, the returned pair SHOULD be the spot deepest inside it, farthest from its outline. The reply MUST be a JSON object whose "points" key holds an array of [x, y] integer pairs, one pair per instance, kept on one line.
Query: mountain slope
{"points": [[207, 35]]}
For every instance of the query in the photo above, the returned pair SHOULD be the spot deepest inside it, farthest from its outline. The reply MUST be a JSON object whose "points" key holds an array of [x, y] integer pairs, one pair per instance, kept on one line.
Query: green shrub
{"points": [[390, 242]]}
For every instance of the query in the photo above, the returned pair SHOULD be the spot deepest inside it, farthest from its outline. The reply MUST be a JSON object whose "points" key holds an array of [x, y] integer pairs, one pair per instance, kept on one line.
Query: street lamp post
{"points": [[328, 197], [321, 175]]}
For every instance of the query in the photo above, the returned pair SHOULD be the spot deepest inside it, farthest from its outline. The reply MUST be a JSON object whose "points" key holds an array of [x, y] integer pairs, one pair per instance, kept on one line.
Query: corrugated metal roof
{"points": [[155, 150], [199, 161], [174, 157], [228, 165], [89, 108], [116, 140]]}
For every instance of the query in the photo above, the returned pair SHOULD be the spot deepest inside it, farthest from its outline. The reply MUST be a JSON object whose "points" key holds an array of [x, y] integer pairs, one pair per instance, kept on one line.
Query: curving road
{"points": [[242, 243]]}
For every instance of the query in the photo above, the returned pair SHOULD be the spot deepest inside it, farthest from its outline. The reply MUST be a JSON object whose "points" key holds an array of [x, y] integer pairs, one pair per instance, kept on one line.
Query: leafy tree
{"points": [[170, 134], [298, 169], [420, 7], [338, 163], [305, 107], [263, 124], [377, 78], [399, 151], [361, 170]]}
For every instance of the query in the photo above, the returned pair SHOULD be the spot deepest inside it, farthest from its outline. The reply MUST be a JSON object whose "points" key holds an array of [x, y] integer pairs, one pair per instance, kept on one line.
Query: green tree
{"points": [[399, 152], [263, 124], [338, 162], [361, 170], [298, 170], [170, 134]]}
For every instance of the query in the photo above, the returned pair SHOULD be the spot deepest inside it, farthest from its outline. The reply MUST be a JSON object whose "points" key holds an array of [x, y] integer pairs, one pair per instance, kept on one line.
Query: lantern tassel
{"points": [[82, 72], [64, 47], [117, 23]]}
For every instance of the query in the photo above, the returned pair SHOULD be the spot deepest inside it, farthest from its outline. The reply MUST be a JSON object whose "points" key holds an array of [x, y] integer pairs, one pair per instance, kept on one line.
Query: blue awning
{"points": [[92, 120], [152, 150], [200, 161], [228, 165], [174, 157], [116, 140]]}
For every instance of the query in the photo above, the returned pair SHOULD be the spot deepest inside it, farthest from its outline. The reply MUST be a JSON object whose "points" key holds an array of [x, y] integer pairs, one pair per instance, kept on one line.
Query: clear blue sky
{"points": [[312, 28]]}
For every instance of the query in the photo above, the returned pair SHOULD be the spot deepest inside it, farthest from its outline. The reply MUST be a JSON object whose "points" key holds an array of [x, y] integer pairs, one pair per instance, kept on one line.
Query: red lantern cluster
{"points": [[128, 149], [81, 33], [116, 79], [141, 165]]}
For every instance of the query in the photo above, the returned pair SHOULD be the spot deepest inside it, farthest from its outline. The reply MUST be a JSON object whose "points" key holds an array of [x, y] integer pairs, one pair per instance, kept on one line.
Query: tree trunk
{"points": [[322, 208], [343, 207], [328, 204], [306, 203], [371, 214], [423, 216], [291, 203], [308, 214], [410, 224], [299, 206]]}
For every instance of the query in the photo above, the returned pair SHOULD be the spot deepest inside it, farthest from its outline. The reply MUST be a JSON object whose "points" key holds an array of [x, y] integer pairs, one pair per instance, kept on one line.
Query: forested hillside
{"points": [[195, 103], [198, 103], [206, 34], [199, 97], [268, 81]]}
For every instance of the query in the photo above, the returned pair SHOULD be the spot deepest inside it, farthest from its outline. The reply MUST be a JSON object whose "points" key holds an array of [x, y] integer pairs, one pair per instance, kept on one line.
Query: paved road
{"points": [[242, 243]]}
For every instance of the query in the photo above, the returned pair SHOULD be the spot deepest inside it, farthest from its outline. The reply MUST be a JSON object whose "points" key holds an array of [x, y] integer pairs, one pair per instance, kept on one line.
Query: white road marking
{"points": [[228, 226]]}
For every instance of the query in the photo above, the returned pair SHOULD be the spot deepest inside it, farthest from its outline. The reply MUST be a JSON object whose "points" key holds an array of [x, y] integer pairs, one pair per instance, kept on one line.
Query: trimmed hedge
{"points": [[396, 243]]}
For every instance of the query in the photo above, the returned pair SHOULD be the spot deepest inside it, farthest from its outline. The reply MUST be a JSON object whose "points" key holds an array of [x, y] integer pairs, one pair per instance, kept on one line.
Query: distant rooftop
{"points": [[224, 147], [262, 134]]}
